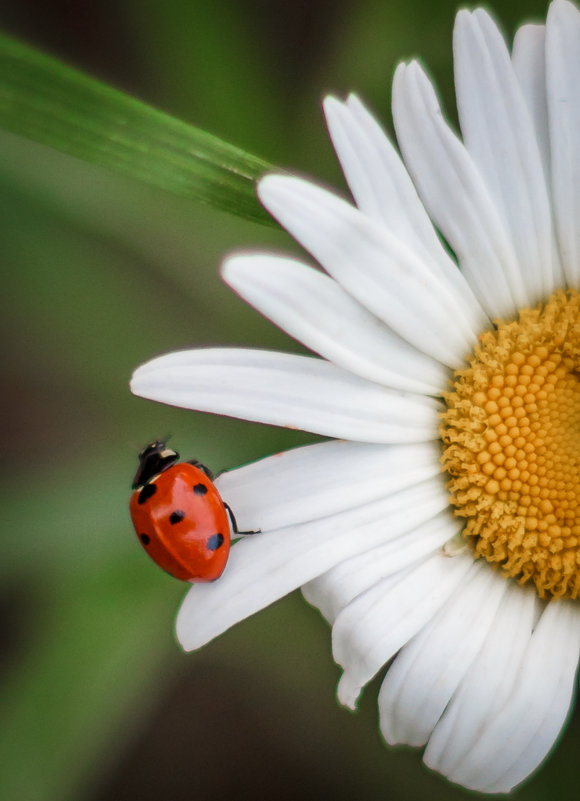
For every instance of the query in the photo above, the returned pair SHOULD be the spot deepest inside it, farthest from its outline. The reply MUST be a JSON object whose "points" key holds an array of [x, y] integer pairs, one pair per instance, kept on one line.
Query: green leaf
{"points": [[46, 101]]}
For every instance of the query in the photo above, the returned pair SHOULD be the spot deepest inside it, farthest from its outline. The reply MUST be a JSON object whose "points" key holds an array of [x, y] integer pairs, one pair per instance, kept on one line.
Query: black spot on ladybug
{"points": [[215, 541], [176, 517], [147, 492], [200, 489], [145, 539]]}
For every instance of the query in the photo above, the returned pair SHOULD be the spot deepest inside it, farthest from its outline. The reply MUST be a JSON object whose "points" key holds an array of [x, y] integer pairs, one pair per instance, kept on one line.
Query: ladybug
{"points": [[179, 516]]}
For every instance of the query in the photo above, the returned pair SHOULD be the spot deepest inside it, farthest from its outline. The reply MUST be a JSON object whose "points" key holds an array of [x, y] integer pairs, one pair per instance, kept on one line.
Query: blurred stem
{"points": [[46, 101]]}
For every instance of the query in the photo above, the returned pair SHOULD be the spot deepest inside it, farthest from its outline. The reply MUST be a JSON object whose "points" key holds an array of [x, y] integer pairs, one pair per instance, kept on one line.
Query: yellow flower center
{"points": [[511, 437]]}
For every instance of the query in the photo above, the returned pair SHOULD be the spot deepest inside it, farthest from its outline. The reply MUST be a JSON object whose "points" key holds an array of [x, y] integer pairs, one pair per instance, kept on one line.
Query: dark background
{"points": [[100, 274]]}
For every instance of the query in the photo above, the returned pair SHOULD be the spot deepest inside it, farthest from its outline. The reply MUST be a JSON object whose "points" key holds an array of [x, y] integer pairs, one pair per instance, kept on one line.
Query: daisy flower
{"points": [[438, 529]]}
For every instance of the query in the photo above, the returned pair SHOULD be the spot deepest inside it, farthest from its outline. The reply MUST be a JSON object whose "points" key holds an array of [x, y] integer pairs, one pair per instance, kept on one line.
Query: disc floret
{"points": [[511, 435]]}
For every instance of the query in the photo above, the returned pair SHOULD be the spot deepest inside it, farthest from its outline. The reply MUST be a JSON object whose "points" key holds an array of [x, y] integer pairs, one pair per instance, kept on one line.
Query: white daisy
{"points": [[466, 579]]}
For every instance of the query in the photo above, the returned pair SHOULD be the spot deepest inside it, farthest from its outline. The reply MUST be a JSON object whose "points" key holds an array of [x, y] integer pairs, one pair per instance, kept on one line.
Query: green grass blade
{"points": [[46, 101]]}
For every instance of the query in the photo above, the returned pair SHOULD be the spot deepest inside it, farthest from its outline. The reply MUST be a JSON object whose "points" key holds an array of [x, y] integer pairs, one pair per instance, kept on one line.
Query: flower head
{"points": [[440, 527]]}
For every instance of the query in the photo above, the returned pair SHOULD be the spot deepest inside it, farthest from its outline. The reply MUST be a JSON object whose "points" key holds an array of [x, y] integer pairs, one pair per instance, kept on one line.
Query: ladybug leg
{"points": [[202, 467], [234, 523]]}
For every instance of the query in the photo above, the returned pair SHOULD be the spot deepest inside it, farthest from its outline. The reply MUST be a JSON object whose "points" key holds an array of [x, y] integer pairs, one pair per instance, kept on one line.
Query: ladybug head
{"points": [[153, 459]]}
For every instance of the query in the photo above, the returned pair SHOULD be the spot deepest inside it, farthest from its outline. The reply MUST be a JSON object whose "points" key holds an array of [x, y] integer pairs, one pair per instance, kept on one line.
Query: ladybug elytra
{"points": [[179, 516]]}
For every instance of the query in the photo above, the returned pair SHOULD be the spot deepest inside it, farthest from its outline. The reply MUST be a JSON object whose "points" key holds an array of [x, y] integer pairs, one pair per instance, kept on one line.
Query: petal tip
{"points": [[348, 692], [563, 9], [232, 265], [330, 102], [135, 381], [271, 189], [182, 629]]}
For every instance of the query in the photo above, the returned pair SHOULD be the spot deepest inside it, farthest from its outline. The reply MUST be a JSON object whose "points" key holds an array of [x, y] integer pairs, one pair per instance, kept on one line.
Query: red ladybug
{"points": [[179, 516]]}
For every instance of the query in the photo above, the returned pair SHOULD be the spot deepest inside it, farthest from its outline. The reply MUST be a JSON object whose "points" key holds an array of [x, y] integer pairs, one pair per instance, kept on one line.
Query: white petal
{"points": [[524, 729], [361, 163], [562, 71], [454, 192], [384, 191], [487, 685], [529, 61], [323, 479], [314, 309], [286, 390], [498, 132], [424, 676], [375, 268], [334, 590], [371, 629], [267, 566]]}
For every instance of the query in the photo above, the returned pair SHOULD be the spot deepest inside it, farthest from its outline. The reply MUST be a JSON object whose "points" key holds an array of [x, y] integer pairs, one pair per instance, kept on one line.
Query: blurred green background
{"points": [[100, 274]]}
